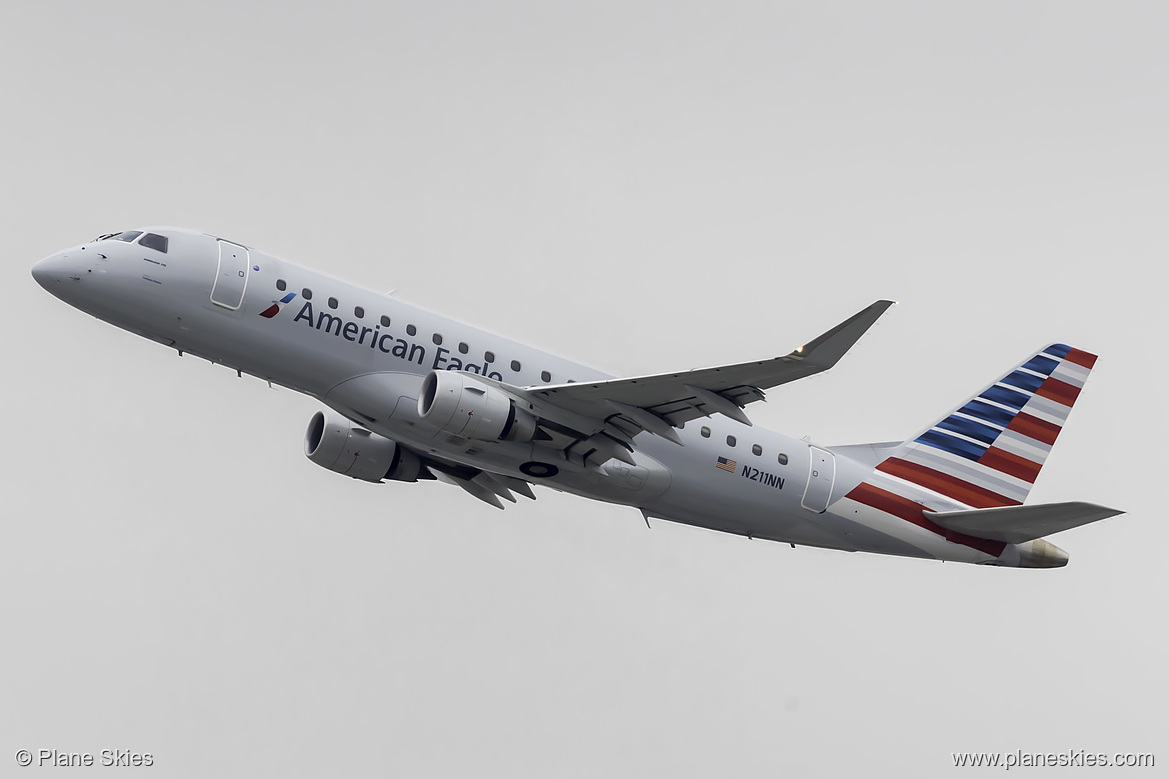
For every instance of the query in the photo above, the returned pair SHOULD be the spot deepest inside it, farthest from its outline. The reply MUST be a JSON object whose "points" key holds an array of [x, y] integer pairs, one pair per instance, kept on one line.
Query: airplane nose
{"points": [[43, 273], [50, 271]]}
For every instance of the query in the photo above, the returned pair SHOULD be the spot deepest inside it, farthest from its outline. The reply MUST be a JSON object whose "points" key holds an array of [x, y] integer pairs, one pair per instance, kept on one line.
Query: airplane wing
{"points": [[591, 422], [486, 486], [660, 403]]}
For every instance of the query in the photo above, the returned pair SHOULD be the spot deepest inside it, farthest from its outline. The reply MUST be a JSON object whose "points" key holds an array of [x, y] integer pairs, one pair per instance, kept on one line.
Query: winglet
{"points": [[826, 350]]}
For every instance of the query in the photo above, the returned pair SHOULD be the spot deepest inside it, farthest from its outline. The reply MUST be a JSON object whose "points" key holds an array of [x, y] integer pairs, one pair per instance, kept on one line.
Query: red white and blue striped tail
{"points": [[989, 451]]}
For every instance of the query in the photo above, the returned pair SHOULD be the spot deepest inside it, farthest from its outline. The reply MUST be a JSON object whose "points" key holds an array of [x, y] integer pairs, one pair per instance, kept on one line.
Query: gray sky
{"points": [[643, 187]]}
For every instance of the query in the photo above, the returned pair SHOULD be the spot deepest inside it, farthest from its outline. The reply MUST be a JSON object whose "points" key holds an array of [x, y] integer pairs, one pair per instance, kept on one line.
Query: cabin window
{"points": [[281, 285], [306, 293], [488, 356], [154, 241], [332, 302], [782, 458], [515, 365], [546, 377], [437, 339], [385, 321], [411, 330], [731, 440], [463, 348], [704, 432], [359, 312], [756, 449]]}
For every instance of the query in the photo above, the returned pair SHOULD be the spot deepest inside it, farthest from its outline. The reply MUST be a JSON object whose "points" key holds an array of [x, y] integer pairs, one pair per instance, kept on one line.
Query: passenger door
{"points": [[231, 279], [821, 475]]}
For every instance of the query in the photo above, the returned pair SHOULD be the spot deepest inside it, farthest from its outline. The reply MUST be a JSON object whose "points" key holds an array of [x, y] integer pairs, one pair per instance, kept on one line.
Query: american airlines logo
{"points": [[274, 309]]}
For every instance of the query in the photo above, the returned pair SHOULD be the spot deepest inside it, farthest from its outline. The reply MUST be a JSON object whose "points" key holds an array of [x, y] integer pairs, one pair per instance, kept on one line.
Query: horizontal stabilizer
{"points": [[1017, 524]]}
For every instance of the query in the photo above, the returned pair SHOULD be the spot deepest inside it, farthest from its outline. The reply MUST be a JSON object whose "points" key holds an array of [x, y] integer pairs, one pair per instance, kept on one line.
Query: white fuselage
{"points": [[337, 348]]}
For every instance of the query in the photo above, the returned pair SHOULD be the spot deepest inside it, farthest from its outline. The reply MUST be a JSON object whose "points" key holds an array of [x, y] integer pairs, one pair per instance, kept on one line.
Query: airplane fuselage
{"points": [[365, 355]]}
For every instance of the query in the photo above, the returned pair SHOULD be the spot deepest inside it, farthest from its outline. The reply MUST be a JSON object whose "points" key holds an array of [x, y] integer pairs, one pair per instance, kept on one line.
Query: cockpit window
{"points": [[154, 241], [128, 237]]}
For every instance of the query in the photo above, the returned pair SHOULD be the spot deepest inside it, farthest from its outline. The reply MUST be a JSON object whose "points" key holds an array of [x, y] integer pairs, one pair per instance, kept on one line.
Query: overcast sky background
{"points": [[643, 187]]}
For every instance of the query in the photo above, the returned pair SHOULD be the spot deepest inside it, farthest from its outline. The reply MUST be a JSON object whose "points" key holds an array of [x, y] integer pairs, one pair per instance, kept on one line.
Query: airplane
{"points": [[411, 396]]}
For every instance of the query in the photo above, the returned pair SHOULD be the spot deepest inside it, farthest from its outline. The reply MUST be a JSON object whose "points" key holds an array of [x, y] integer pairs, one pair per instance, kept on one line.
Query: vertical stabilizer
{"points": [[988, 451]]}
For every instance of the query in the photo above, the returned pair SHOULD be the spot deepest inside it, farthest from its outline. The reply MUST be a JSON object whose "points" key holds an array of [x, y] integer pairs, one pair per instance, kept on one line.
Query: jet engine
{"points": [[334, 442], [461, 405]]}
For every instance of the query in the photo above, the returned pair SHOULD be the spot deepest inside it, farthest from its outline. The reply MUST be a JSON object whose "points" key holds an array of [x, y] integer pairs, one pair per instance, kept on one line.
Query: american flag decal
{"points": [[726, 465]]}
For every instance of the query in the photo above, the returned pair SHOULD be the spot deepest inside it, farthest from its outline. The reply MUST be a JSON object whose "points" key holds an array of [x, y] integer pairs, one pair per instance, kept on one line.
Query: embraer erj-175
{"points": [[413, 396]]}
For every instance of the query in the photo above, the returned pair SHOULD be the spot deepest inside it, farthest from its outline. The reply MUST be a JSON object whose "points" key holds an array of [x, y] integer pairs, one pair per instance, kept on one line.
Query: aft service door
{"points": [[232, 276], [821, 475]]}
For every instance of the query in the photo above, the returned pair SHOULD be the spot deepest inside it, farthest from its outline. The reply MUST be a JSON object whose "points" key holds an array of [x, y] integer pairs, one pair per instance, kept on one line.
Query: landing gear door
{"points": [[821, 475], [231, 279]]}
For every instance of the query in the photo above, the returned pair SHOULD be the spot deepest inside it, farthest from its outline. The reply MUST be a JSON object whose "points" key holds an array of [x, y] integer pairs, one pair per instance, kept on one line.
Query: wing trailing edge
{"points": [[484, 485]]}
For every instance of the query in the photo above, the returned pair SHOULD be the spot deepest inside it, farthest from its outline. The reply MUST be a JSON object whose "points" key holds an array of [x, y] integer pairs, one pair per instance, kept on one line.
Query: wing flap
{"points": [[1017, 524]]}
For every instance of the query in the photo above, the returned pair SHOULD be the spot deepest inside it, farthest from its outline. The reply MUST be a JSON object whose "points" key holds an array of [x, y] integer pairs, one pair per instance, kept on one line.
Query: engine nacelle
{"points": [[334, 442], [459, 404]]}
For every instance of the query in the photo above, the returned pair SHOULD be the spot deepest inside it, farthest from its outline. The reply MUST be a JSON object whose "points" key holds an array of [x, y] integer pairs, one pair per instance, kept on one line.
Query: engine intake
{"points": [[458, 404], [334, 442]]}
